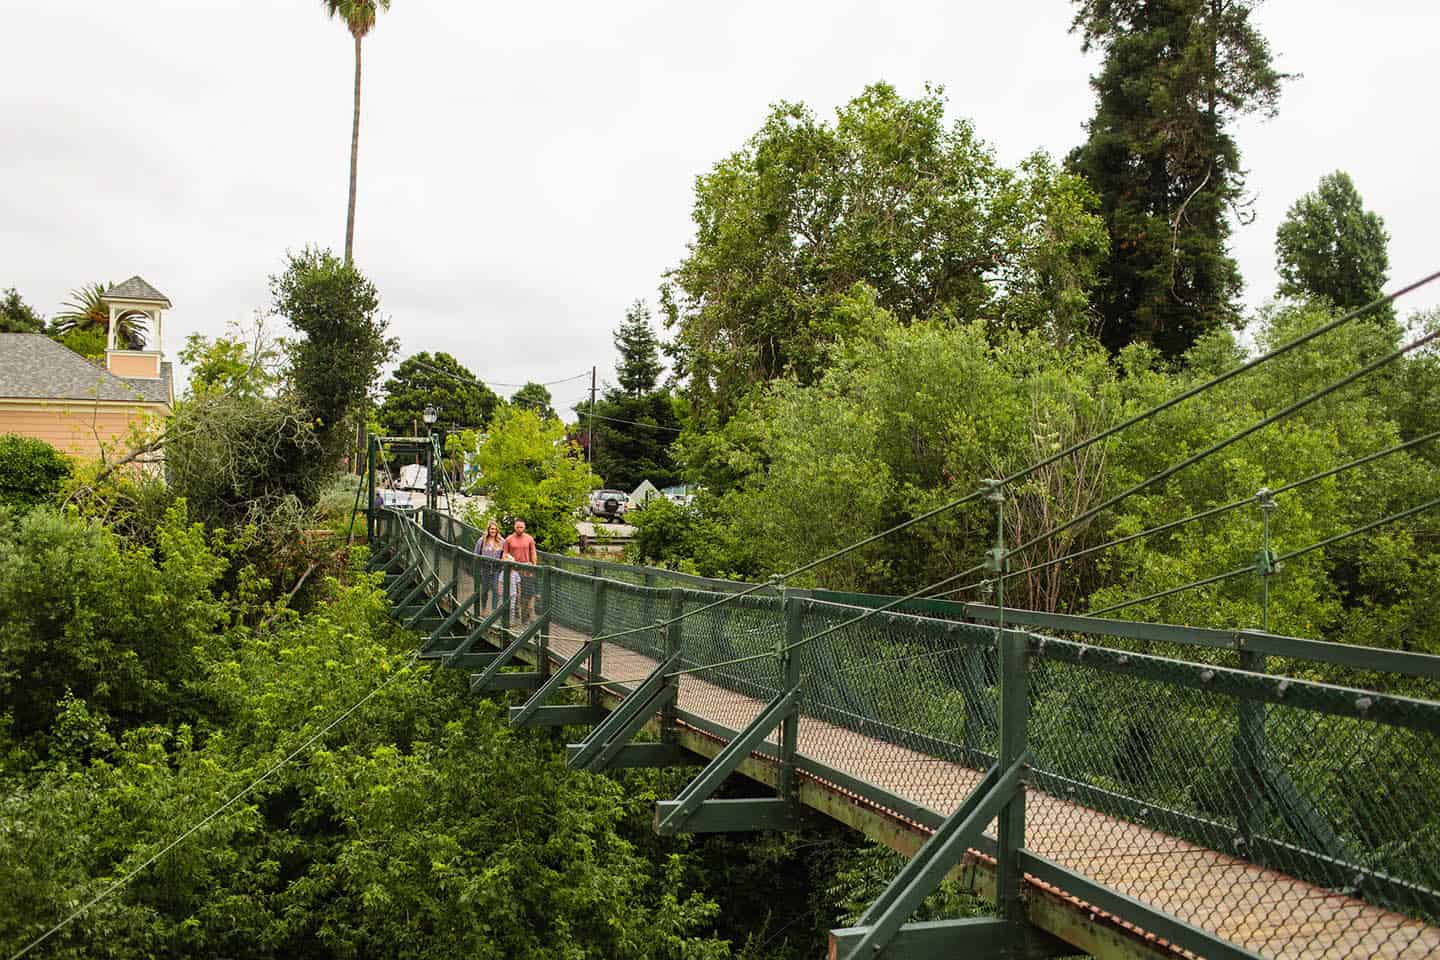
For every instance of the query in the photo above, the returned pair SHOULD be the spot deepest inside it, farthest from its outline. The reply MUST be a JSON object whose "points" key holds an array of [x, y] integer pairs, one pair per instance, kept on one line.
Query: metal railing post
{"points": [[793, 610], [673, 637], [597, 629], [505, 592], [1011, 652], [544, 605], [1248, 750]]}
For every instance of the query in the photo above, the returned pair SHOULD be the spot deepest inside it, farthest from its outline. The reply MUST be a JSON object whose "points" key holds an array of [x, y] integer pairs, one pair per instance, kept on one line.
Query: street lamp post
{"points": [[430, 415]]}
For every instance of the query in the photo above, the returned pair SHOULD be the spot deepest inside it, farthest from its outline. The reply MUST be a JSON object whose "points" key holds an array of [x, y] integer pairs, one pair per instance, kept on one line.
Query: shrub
{"points": [[31, 471]]}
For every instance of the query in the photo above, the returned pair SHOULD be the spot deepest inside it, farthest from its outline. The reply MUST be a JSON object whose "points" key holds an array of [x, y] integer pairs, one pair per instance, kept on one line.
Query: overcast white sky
{"points": [[526, 169]]}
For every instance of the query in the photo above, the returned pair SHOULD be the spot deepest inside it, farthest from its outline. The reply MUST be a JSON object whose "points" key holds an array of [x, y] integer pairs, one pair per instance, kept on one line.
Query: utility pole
{"points": [[590, 439]]}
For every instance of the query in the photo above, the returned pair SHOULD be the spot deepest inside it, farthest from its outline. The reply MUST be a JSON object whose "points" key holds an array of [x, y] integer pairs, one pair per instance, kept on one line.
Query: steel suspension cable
{"points": [[1293, 554], [1219, 445], [1200, 515]]}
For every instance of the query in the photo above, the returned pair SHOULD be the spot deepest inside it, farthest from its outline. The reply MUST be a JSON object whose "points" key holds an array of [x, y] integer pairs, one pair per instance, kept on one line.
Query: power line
{"points": [[637, 423], [113, 887], [472, 379]]}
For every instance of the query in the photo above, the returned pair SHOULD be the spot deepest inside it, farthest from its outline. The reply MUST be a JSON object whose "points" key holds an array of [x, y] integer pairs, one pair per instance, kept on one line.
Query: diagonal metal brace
{"points": [[452, 657], [946, 847], [482, 680], [401, 582], [433, 604], [654, 692], [670, 817], [521, 716], [443, 631], [419, 589]]}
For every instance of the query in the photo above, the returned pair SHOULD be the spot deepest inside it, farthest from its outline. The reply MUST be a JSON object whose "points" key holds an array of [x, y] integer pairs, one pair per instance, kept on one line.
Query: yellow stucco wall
{"points": [[75, 427], [133, 363]]}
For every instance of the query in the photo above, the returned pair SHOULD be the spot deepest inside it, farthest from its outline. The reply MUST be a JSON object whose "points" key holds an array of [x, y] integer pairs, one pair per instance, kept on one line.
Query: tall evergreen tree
{"points": [[639, 369], [1330, 246], [635, 422], [1159, 154]]}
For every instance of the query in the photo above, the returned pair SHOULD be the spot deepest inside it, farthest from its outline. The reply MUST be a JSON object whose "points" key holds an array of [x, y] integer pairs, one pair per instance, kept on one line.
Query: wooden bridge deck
{"points": [[1256, 908]]}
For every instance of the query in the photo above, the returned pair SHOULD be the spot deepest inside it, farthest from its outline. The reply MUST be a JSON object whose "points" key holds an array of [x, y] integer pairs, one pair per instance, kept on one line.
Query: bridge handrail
{"points": [[1352, 656]]}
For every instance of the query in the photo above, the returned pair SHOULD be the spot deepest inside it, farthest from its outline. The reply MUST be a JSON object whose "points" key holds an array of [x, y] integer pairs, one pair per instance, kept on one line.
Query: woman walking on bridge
{"points": [[491, 547]]}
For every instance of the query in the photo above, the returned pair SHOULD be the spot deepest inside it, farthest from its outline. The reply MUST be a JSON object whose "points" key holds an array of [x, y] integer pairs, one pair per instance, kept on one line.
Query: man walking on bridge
{"points": [[520, 547]]}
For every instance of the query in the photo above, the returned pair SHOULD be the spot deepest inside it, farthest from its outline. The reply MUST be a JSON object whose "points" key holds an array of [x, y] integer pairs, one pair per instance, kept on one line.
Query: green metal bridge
{"points": [[1117, 788]]}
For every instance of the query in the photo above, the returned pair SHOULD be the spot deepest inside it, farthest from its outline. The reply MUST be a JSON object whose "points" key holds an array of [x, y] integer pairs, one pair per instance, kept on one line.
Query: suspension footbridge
{"points": [[1116, 788]]}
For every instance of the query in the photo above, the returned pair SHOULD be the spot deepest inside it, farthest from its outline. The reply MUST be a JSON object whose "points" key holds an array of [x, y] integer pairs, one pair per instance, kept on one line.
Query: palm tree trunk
{"points": [[354, 157]]}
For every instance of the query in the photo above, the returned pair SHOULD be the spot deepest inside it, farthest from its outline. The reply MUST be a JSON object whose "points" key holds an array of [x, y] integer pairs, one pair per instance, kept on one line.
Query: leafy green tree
{"points": [[230, 365], [890, 196], [639, 369], [461, 401], [31, 471], [1176, 74], [86, 310], [337, 359], [359, 17], [532, 474], [17, 316], [535, 398], [1330, 246]]}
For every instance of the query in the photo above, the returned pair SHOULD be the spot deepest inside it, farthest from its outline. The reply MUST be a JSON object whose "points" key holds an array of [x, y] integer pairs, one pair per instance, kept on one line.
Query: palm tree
{"points": [[359, 17], [86, 310]]}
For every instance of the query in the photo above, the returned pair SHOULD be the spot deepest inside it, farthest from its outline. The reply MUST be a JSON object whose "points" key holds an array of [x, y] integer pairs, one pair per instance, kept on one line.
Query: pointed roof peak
{"points": [[136, 289]]}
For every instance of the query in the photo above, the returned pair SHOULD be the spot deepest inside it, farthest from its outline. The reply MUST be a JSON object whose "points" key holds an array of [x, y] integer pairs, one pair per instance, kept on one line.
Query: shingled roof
{"points": [[34, 367], [136, 289]]}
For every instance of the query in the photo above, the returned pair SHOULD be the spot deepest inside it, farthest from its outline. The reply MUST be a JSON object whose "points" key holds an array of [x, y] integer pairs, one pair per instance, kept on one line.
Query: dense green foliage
{"points": [[532, 474], [1161, 156], [17, 316], [31, 471], [1330, 246], [890, 196], [461, 401], [239, 458], [336, 360], [910, 417], [136, 701]]}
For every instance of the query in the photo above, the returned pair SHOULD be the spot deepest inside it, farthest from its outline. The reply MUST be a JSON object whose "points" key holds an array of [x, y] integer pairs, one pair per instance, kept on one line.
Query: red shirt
{"points": [[520, 547]]}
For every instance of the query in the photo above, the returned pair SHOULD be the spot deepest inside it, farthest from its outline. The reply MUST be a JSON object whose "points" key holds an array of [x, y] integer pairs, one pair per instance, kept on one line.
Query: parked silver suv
{"points": [[609, 504]]}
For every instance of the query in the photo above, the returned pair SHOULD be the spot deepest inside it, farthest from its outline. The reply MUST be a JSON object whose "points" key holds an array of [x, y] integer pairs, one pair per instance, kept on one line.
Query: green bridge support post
{"points": [[597, 629], [1248, 750], [674, 640]]}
